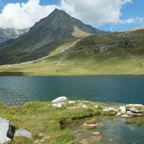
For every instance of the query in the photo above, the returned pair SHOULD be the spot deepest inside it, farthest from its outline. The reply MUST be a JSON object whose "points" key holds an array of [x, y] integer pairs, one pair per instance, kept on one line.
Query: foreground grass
{"points": [[44, 67], [45, 121]]}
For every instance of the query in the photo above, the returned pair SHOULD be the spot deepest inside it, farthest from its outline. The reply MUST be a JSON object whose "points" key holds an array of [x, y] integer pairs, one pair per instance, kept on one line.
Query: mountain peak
{"points": [[58, 14], [58, 11], [47, 34]]}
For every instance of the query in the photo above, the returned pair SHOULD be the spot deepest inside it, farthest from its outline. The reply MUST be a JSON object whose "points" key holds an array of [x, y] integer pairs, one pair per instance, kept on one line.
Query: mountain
{"points": [[45, 36], [10, 33], [110, 54]]}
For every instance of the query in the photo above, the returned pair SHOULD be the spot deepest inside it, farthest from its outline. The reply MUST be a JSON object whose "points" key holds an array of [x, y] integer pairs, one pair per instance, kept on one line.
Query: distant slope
{"points": [[115, 53], [138, 28], [10, 33], [114, 45], [47, 34]]}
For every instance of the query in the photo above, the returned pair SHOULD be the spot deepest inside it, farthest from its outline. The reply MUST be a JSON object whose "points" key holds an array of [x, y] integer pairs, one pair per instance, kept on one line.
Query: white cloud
{"points": [[132, 20], [95, 12], [24, 15]]}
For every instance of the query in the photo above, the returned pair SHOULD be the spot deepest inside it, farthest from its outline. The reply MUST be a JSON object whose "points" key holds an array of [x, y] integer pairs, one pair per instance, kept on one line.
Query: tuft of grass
{"points": [[66, 137], [21, 140], [109, 113]]}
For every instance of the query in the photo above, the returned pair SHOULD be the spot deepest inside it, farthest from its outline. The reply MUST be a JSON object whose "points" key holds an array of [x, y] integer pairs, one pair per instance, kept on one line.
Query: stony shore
{"points": [[40, 122]]}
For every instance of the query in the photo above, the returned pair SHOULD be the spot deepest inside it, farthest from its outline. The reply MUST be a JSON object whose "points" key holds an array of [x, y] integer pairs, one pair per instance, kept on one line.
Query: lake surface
{"points": [[16, 90]]}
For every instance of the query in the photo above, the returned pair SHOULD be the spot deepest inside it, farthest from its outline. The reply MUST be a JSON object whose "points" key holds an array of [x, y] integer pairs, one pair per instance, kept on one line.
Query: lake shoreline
{"points": [[48, 117]]}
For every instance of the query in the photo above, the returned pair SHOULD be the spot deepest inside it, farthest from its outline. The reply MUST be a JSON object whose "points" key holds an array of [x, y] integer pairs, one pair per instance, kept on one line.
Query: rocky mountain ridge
{"points": [[47, 34]]}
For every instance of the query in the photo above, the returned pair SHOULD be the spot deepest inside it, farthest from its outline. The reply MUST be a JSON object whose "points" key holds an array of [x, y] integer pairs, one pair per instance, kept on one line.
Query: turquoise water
{"points": [[121, 89]]}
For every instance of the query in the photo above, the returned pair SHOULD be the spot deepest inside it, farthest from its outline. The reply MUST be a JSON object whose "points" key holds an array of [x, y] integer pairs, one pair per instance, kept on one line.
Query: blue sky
{"points": [[131, 10], [43, 2], [108, 15]]}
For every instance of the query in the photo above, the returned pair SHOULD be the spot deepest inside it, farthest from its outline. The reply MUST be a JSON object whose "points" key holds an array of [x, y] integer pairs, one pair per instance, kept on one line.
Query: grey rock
{"points": [[129, 113], [134, 110], [23, 133], [125, 116]]}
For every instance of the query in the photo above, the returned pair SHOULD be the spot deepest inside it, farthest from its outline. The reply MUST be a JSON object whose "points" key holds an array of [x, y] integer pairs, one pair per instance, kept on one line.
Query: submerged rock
{"points": [[96, 133], [96, 136], [84, 141], [89, 126], [92, 125], [23, 133]]}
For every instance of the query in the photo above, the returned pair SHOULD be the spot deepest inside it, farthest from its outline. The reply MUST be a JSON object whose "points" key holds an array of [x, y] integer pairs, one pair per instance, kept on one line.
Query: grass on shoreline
{"points": [[46, 122], [43, 118]]}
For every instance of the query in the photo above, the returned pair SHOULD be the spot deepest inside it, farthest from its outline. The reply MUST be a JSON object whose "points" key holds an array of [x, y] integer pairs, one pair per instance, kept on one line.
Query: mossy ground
{"points": [[43, 118]]}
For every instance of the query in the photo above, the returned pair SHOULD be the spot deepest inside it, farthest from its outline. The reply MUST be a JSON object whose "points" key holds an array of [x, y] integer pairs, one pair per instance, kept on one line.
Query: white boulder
{"points": [[4, 126], [23, 133], [122, 109], [60, 99]]}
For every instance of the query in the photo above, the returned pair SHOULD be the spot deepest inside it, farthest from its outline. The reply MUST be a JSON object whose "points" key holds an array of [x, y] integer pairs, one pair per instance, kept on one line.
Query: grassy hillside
{"points": [[115, 53]]}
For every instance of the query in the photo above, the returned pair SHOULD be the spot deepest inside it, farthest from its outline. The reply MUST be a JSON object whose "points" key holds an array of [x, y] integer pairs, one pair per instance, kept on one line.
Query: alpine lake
{"points": [[112, 90]]}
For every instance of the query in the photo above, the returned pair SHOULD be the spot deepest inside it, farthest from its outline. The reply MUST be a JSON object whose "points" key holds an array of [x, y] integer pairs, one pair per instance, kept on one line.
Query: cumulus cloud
{"points": [[95, 12], [24, 15]]}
